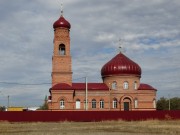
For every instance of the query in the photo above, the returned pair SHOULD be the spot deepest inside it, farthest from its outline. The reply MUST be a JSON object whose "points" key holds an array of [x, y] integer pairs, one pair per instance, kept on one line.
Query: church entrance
{"points": [[126, 106]]}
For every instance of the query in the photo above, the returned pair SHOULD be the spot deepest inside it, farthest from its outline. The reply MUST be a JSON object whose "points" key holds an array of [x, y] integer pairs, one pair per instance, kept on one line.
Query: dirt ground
{"points": [[153, 127]]}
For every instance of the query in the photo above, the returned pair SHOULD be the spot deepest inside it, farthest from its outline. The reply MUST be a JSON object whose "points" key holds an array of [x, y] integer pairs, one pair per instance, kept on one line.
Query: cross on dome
{"points": [[61, 9], [61, 22], [120, 49]]}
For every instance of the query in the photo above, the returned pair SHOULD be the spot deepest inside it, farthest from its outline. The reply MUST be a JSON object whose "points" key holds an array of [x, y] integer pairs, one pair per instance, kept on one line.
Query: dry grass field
{"points": [[153, 127]]}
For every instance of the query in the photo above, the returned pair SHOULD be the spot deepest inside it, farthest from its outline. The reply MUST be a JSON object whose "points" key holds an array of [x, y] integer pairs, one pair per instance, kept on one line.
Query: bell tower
{"points": [[61, 59]]}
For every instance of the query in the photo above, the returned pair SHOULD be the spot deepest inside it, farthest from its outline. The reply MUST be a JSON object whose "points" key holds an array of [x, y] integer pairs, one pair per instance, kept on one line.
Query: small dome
{"points": [[120, 65], [61, 22], [143, 86], [61, 86]]}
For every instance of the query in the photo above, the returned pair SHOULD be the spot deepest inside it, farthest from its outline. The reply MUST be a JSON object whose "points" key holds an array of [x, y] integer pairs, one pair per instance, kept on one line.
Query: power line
{"points": [[16, 83], [45, 83]]}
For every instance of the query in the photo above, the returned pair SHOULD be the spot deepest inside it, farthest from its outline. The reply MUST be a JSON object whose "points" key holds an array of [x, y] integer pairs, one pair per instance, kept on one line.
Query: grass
{"points": [[152, 127]]}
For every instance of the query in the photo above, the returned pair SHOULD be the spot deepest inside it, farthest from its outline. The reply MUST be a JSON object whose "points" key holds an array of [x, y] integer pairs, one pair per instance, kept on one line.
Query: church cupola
{"points": [[61, 22], [120, 65]]}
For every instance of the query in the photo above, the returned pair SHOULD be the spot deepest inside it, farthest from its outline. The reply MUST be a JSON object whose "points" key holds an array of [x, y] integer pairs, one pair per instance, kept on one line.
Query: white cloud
{"points": [[105, 37]]}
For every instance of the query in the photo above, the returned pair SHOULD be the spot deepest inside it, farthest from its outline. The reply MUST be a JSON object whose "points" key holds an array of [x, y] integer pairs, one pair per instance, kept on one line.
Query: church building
{"points": [[120, 90]]}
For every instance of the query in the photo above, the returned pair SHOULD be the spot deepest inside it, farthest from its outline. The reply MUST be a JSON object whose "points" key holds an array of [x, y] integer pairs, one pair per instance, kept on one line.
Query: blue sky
{"points": [[149, 30]]}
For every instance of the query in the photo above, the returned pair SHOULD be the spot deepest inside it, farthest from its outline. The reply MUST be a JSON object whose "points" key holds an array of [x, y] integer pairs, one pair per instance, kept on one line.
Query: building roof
{"points": [[93, 86], [80, 86], [120, 65], [61, 22], [143, 86], [62, 86]]}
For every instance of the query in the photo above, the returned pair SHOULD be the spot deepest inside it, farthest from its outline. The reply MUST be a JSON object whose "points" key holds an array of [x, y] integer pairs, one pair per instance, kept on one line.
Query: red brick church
{"points": [[120, 90]]}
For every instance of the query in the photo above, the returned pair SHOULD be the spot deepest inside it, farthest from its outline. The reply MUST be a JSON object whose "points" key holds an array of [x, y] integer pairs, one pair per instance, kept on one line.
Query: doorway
{"points": [[126, 106]]}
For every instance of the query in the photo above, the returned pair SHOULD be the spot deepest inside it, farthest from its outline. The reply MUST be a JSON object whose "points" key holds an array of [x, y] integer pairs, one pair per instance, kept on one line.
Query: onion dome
{"points": [[61, 22], [120, 65]]}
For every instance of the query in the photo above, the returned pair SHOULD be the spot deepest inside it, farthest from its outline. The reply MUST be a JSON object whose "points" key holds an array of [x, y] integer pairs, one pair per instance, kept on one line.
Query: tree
{"points": [[175, 103], [45, 105], [163, 103], [2, 108]]}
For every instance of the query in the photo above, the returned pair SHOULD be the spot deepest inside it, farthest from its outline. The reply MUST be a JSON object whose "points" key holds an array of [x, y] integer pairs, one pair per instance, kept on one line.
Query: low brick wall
{"points": [[55, 116]]}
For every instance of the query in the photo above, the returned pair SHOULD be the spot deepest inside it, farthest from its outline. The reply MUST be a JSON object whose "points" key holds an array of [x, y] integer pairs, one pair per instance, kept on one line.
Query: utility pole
{"points": [[8, 101], [86, 94], [109, 97], [169, 102]]}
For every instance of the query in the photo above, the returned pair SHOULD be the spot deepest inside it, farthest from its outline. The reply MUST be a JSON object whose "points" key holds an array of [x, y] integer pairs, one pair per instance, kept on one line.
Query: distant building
{"points": [[121, 88], [15, 108]]}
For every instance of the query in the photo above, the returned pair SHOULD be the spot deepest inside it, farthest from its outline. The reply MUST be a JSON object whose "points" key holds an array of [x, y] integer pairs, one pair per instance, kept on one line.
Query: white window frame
{"points": [[115, 103], [154, 103], [93, 105], [126, 85], [78, 104], [135, 103], [62, 104], [101, 104], [114, 85], [135, 85]]}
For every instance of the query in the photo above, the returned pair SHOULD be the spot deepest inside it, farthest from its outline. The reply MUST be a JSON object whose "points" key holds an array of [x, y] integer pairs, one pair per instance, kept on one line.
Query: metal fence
{"points": [[87, 116]]}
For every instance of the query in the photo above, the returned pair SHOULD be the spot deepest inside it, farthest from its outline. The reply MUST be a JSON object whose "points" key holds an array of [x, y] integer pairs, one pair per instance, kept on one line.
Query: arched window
{"points": [[62, 49], [154, 103], [101, 103], [126, 85], [135, 85], [114, 85], [135, 103], [93, 103], [78, 104], [115, 103], [62, 106]]}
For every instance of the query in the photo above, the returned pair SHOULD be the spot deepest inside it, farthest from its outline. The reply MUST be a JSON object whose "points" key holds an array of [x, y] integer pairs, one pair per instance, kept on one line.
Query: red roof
{"points": [[62, 86], [120, 65], [80, 86], [93, 86], [62, 22], [143, 86]]}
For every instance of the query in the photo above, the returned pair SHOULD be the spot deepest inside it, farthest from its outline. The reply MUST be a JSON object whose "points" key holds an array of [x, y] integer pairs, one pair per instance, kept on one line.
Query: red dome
{"points": [[61, 22], [62, 86], [120, 65], [143, 86]]}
